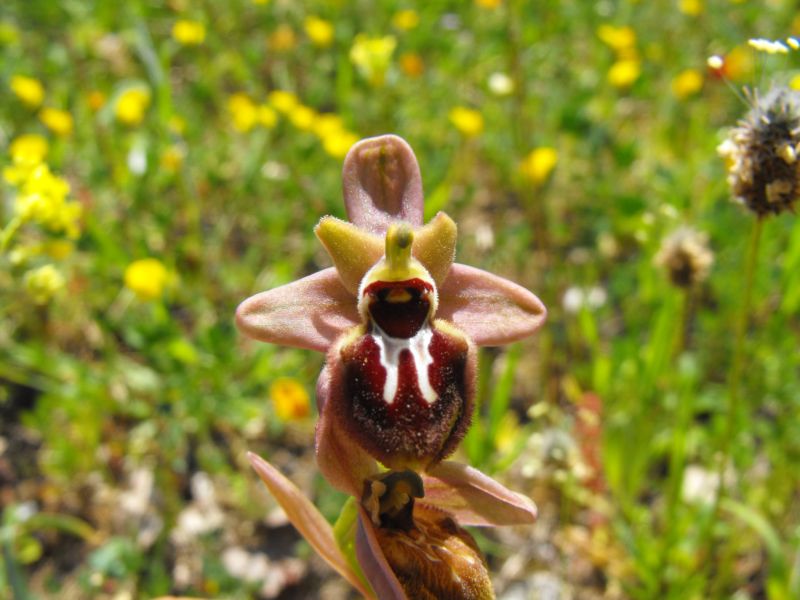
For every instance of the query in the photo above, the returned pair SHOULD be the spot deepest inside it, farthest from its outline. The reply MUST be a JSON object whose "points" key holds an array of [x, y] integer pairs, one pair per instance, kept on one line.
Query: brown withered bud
{"points": [[685, 256], [430, 555], [762, 154]]}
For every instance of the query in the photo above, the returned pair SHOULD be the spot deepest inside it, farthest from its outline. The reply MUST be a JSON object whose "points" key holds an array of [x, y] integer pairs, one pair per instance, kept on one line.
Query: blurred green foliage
{"points": [[606, 418]]}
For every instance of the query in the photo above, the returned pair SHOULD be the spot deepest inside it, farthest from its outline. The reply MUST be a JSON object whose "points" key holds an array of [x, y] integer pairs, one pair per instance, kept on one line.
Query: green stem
{"points": [[734, 390], [8, 232], [677, 456]]}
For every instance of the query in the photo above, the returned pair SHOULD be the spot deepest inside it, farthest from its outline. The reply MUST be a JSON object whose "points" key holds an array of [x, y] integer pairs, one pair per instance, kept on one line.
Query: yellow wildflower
{"points": [[738, 64], [794, 83], [338, 143], [405, 19], [302, 117], [261, 2], [29, 148], [27, 89], [267, 117], [189, 33], [327, 124], [95, 99], [411, 64], [319, 31], [42, 198], [243, 111], [26, 156], [43, 283], [623, 73], [540, 162], [282, 100], [172, 158], [687, 83], [56, 120], [147, 278], [282, 39], [131, 105], [372, 55], [619, 39], [691, 8], [489, 3], [289, 399], [468, 121]]}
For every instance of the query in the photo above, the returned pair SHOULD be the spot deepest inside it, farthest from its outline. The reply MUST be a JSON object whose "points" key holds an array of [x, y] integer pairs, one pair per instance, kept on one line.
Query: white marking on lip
{"points": [[390, 349]]}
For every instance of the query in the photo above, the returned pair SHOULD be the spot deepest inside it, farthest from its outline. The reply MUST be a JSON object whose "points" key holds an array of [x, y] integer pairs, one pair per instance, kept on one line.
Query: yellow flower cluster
{"points": [[41, 196], [628, 66], [246, 114], [372, 56], [31, 92], [328, 127]]}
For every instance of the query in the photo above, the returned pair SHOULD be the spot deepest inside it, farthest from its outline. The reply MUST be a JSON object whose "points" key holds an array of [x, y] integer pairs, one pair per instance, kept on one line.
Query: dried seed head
{"points": [[685, 256], [763, 170]]}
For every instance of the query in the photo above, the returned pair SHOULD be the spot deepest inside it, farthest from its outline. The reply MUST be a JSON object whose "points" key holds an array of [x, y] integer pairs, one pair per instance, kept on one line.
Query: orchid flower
{"points": [[399, 321]]}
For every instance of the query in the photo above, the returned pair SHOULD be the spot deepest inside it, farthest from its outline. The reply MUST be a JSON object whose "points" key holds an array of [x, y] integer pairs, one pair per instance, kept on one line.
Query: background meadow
{"points": [[656, 425]]}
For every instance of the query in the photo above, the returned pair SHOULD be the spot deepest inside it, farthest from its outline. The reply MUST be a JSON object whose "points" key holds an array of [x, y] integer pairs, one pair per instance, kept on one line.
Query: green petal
{"points": [[352, 250], [435, 246]]}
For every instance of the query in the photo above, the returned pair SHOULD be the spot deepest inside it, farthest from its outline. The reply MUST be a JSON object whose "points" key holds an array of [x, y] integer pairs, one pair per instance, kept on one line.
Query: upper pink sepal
{"points": [[307, 519], [373, 561], [308, 313], [382, 184], [474, 498], [491, 310]]}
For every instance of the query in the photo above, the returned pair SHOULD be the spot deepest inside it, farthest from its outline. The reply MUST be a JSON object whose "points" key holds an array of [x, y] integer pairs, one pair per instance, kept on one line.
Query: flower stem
{"points": [[734, 386], [8, 232]]}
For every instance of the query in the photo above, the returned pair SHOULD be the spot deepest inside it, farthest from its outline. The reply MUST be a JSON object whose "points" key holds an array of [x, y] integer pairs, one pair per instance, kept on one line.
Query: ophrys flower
{"points": [[399, 322], [398, 319]]}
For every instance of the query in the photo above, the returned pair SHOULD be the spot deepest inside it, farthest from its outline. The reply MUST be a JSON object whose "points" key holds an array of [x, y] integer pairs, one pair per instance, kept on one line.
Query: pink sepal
{"points": [[308, 313], [474, 498]]}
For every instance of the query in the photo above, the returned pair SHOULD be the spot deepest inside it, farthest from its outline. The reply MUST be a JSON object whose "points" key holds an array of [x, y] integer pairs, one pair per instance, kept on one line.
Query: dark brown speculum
{"points": [[399, 308]]}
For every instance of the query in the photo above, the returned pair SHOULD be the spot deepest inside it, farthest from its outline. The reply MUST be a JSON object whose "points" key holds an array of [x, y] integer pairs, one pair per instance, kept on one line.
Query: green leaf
{"points": [[344, 531]]}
